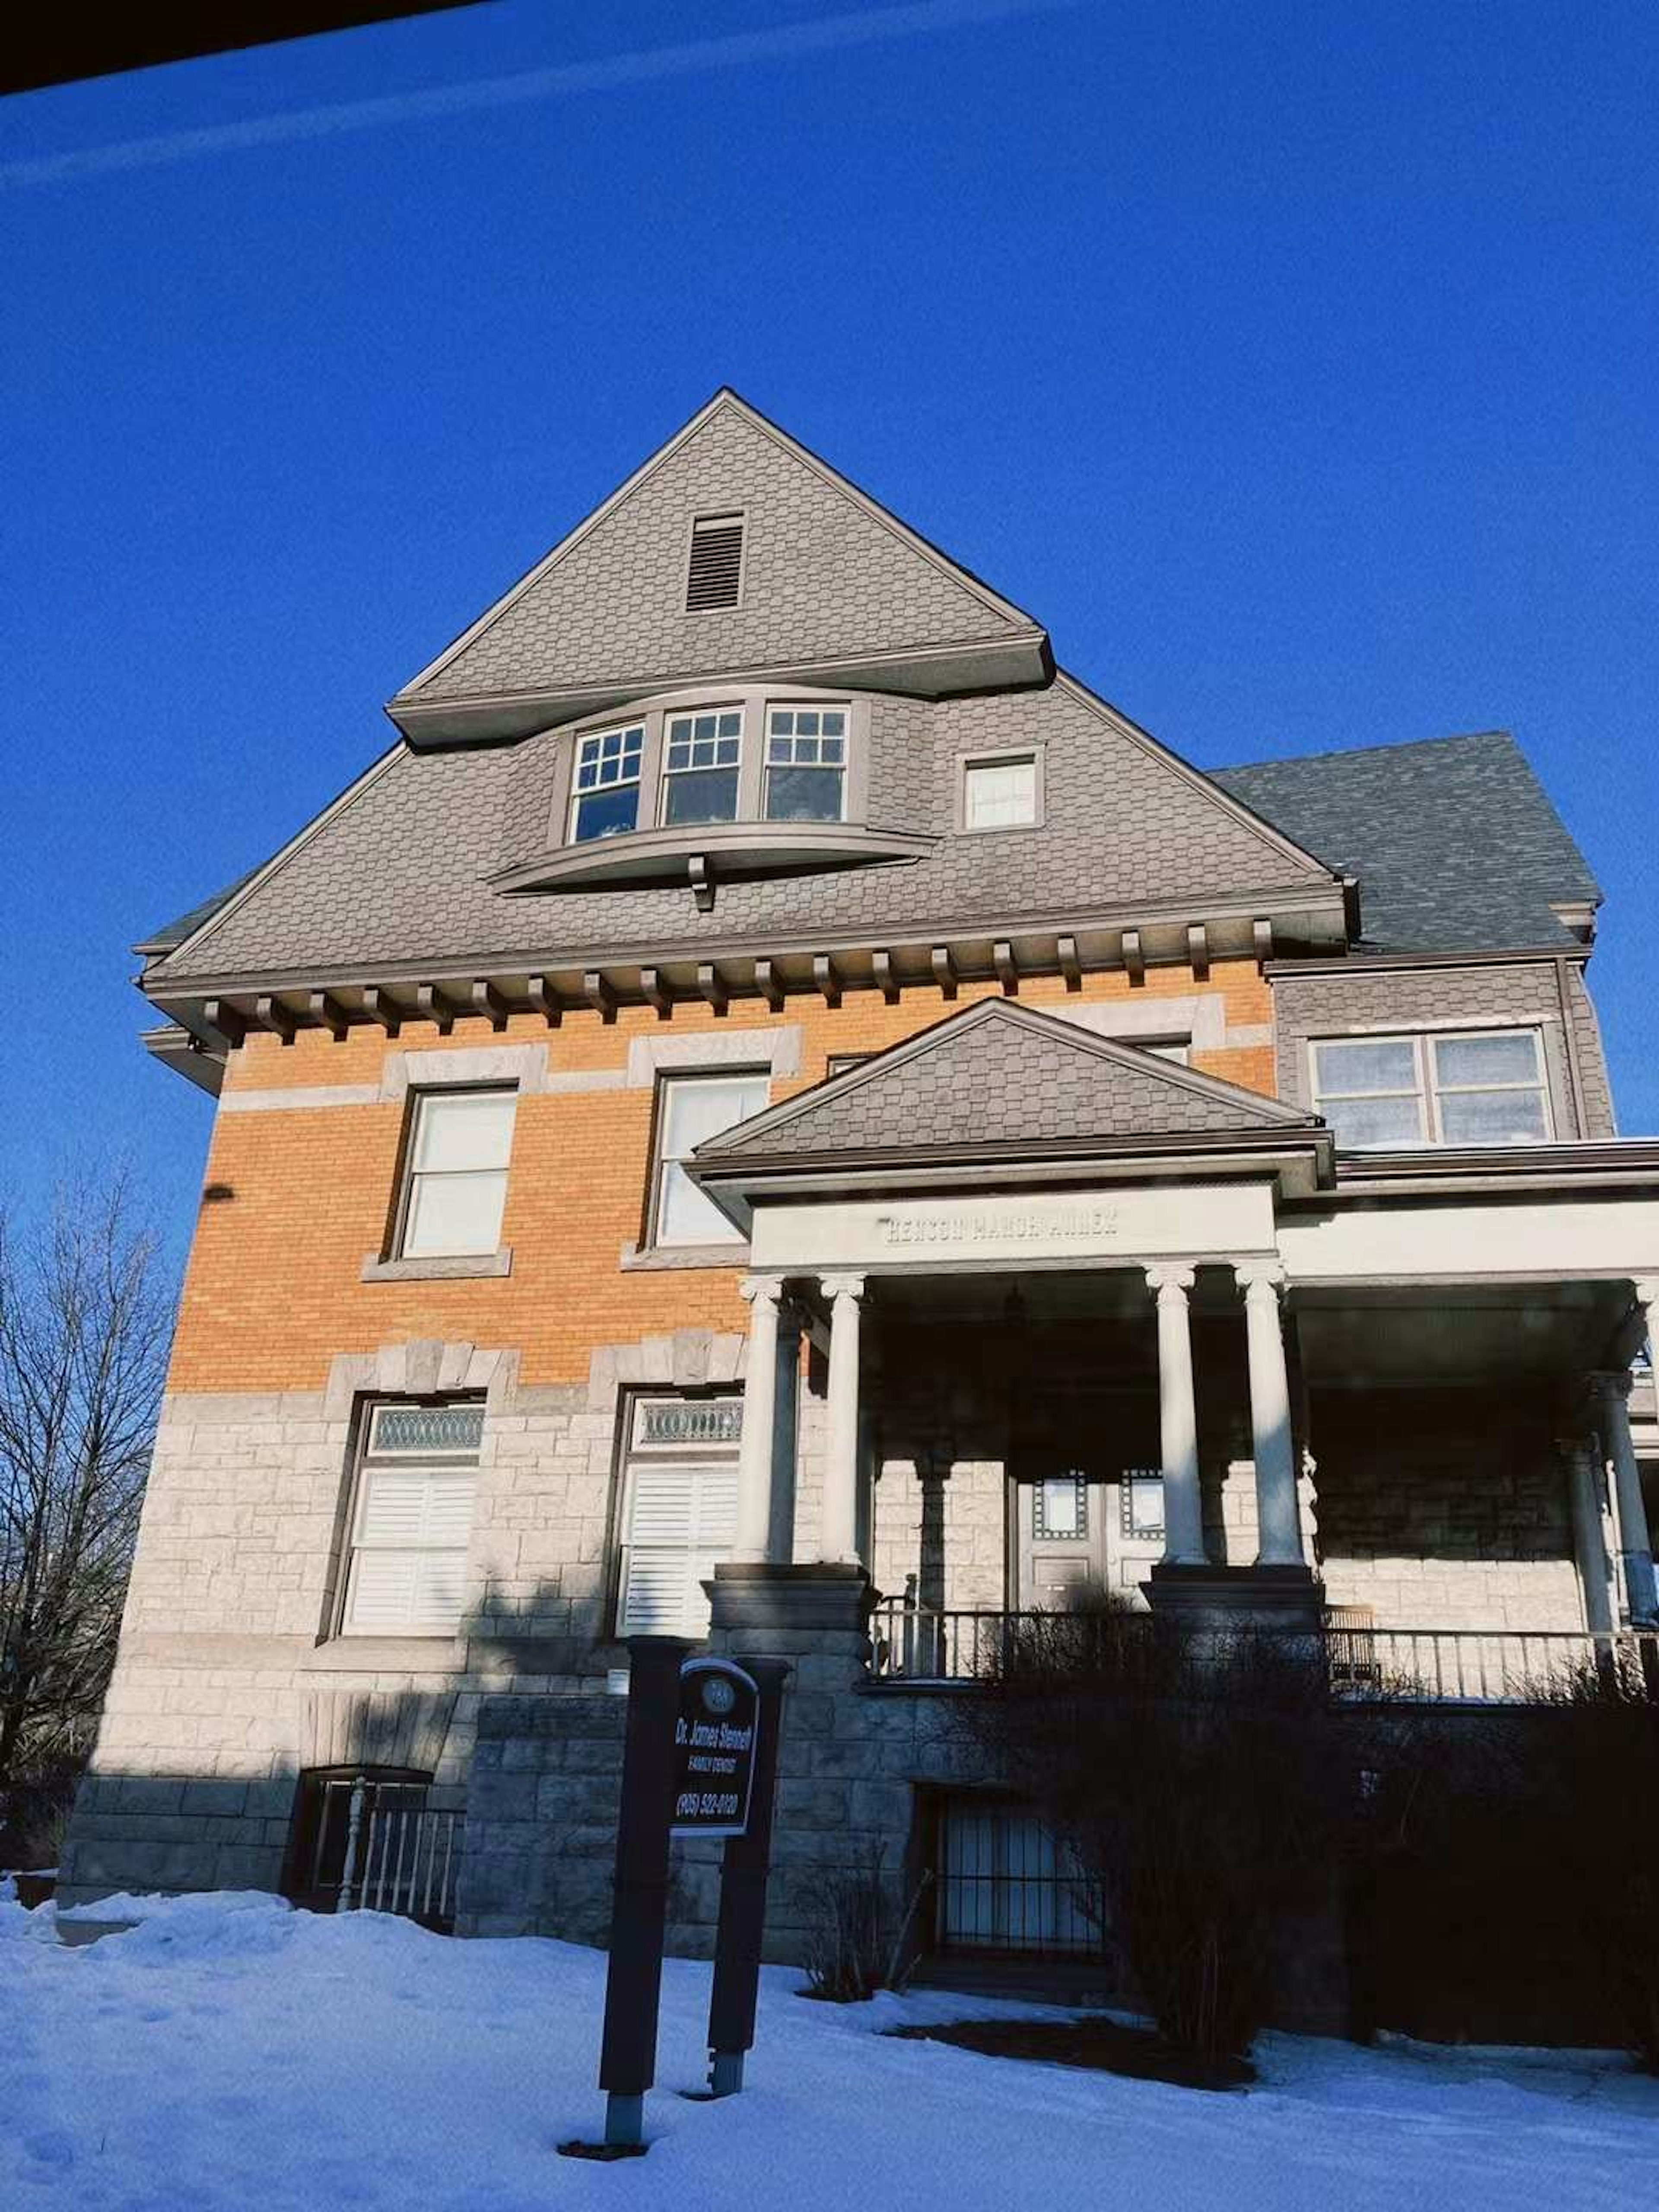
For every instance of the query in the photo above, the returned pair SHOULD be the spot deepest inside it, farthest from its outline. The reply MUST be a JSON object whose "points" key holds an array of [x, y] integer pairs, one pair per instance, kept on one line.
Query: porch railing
{"points": [[402, 1859], [918, 1644]]}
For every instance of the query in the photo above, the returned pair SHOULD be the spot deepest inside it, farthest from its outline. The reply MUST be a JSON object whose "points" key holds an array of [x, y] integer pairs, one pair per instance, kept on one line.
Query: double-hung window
{"points": [[412, 1518], [806, 764], [679, 1511], [456, 1187], [1477, 1087], [1001, 794], [690, 1109], [701, 756], [606, 798]]}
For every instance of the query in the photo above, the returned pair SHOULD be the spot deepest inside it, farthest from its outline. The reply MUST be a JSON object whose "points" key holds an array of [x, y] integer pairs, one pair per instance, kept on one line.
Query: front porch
{"points": [[1092, 1329]]}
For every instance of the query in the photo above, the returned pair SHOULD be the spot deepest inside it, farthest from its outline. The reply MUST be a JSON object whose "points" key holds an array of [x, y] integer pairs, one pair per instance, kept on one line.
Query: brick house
{"points": [[773, 1097]]}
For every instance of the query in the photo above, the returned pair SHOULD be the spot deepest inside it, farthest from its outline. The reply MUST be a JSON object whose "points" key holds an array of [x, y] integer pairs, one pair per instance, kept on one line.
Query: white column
{"points": [[1589, 1541], [838, 1516], [1177, 1416], [760, 1399], [1609, 1395], [1278, 1519]]}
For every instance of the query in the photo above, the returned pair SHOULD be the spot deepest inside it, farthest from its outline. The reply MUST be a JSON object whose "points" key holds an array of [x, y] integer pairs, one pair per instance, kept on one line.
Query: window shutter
{"points": [[682, 1520], [409, 1566], [716, 570]]}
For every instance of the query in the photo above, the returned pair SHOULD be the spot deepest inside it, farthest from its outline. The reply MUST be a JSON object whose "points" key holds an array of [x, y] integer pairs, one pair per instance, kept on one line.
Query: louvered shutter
{"points": [[716, 570], [409, 1566], [682, 1520]]}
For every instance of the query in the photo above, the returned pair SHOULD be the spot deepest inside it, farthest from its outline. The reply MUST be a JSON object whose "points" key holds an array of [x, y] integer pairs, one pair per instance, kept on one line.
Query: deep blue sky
{"points": [[1295, 365]]}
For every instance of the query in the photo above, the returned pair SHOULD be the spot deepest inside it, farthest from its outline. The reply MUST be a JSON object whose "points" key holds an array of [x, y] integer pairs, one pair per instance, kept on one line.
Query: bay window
{"points": [[606, 799], [806, 764], [702, 758]]}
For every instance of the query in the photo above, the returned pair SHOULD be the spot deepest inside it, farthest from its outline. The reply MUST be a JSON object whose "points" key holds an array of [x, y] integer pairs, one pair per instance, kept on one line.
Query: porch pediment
{"points": [[997, 1078]]}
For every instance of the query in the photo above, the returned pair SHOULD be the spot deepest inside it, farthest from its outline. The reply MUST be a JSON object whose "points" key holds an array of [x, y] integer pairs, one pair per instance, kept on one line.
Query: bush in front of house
{"points": [[1204, 1787]]}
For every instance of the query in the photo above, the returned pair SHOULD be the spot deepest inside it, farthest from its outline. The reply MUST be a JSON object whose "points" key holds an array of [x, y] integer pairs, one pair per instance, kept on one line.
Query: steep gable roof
{"points": [[995, 1075], [829, 574], [1454, 841]]}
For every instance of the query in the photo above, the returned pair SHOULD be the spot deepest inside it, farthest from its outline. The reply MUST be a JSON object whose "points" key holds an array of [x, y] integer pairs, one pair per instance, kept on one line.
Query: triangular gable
{"points": [[829, 575], [995, 1075]]}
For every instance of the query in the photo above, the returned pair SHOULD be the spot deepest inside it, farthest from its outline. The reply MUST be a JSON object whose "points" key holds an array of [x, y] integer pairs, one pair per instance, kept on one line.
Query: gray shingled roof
{"points": [[997, 1073], [1454, 840], [174, 933]]}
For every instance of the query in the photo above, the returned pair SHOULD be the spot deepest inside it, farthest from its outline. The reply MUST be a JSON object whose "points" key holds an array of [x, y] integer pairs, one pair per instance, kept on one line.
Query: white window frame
{"points": [[595, 738], [692, 715], [980, 764], [374, 1458], [1425, 1044], [841, 707], [668, 1081], [709, 1467], [418, 1100]]}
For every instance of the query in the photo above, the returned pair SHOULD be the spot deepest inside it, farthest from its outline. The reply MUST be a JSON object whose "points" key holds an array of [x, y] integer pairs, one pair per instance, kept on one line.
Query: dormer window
{"points": [[806, 764], [703, 757], [714, 574], [606, 799]]}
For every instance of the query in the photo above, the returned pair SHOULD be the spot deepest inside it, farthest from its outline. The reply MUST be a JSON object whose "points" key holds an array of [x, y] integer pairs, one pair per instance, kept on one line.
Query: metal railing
{"points": [[402, 1859], [918, 1644]]}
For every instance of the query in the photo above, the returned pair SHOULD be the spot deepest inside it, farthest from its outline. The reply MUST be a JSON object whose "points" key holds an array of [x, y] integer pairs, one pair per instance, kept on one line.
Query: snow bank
{"points": [[234, 2056]]}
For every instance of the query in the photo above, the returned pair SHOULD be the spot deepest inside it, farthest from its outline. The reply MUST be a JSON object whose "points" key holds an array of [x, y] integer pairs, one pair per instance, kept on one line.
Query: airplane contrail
{"points": [[829, 33]]}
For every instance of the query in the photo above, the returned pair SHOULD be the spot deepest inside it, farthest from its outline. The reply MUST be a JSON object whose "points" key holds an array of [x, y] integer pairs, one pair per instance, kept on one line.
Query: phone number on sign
{"points": [[705, 1805]]}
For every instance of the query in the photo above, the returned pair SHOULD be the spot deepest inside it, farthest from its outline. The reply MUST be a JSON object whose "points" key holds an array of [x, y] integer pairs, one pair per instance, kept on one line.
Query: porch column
{"points": [[1178, 1416], [1609, 1393], [764, 1294], [838, 1518], [1588, 1543], [1279, 1518]]}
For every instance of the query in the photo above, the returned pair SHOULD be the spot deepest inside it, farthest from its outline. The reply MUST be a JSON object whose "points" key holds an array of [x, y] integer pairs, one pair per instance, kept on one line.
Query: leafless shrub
{"points": [[1199, 1780], [856, 1933]]}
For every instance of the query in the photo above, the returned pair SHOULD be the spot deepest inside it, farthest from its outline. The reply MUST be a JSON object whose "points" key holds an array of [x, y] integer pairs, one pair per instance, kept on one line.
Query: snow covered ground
{"points": [[231, 2053]]}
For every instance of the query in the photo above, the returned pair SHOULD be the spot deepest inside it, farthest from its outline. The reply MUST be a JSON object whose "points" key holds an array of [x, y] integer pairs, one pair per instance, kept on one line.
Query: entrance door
{"points": [[1080, 1537]]}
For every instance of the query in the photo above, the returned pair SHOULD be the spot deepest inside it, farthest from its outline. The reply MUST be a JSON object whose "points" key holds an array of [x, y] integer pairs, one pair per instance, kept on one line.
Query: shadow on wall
{"points": [[231, 1815]]}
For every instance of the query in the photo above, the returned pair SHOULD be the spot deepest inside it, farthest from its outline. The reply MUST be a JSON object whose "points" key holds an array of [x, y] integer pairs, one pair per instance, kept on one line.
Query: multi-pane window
{"points": [[806, 764], [1001, 794], [702, 754], [1484, 1087], [457, 1181], [605, 796], [679, 1511], [1060, 1507], [690, 1109], [411, 1520]]}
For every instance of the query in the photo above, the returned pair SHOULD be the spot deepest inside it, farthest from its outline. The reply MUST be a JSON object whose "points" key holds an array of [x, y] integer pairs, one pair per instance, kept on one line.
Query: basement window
{"points": [[714, 574]]}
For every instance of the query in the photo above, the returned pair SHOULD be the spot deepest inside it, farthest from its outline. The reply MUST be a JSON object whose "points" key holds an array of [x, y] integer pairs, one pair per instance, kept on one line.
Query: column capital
{"points": [[1172, 1278], [1259, 1275], [761, 1289], [842, 1286]]}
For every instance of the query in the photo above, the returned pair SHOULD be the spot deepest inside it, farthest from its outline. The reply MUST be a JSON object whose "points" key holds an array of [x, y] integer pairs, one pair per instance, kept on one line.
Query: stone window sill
{"points": [[387, 1654], [635, 1256], [464, 1267]]}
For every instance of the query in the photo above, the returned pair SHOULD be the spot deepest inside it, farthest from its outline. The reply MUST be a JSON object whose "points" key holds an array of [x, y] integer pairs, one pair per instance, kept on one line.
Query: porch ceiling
{"points": [[1479, 1333]]}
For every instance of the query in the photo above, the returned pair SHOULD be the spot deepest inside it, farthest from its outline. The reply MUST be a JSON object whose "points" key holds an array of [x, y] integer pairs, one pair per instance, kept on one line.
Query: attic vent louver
{"points": [[716, 570]]}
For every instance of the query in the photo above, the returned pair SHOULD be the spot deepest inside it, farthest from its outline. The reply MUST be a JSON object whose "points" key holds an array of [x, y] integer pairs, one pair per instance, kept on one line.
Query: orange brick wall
{"points": [[294, 1199]]}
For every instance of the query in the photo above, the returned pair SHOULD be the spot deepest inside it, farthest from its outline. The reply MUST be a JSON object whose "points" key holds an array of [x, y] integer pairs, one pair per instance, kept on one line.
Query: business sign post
{"points": [[699, 1758]]}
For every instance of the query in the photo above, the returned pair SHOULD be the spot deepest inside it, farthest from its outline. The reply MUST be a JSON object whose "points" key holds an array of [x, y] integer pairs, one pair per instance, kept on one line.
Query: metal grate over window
{"points": [[715, 575]]}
